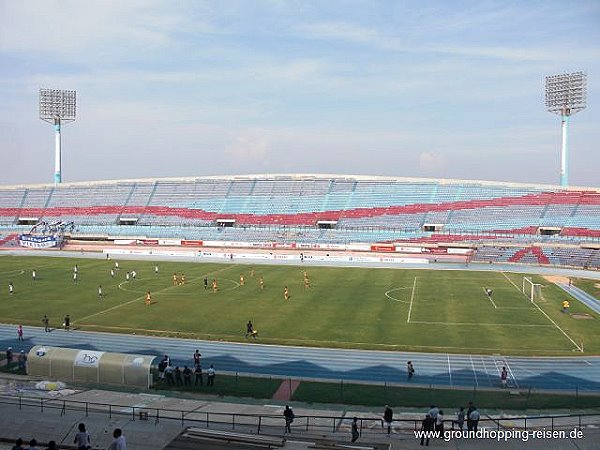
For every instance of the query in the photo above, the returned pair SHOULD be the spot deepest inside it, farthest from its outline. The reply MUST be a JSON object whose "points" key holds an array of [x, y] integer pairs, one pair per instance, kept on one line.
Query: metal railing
{"points": [[259, 423]]}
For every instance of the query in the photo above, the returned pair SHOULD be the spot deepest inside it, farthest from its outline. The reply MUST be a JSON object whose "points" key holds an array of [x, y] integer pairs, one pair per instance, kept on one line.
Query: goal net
{"points": [[533, 291]]}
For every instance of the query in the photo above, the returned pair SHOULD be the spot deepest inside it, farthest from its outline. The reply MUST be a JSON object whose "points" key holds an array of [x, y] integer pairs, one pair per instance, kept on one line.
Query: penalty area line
{"points": [[547, 316]]}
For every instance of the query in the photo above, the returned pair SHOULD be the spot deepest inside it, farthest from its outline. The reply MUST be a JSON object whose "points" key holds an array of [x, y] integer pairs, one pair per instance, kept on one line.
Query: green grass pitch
{"points": [[386, 309]]}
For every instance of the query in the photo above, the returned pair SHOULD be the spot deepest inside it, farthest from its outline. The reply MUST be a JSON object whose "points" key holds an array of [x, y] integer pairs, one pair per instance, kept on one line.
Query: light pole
{"points": [[565, 95], [57, 106]]}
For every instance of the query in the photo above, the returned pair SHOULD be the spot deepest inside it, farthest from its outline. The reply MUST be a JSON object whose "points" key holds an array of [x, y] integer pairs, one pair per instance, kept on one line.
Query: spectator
{"points": [[9, 357], [33, 445], [22, 360], [427, 425], [52, 446], [118, 442], [433, 411], [470, 409], [210, 379], [178, 379], [474, 418], [187, 376], [439, 422], [20, 332], [198, 373], [460, 418], [289, 416], [169, 374], [18, 444], [355, 433], [82, 438], [388, 417]]}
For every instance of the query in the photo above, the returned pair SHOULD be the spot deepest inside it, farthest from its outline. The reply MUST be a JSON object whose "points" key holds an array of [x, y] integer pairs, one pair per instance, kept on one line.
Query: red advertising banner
{"points": [[191, 243], [383, 248]]}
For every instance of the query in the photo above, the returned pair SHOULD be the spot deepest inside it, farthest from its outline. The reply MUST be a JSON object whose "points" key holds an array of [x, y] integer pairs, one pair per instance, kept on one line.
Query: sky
{"points": [[422, 88]]}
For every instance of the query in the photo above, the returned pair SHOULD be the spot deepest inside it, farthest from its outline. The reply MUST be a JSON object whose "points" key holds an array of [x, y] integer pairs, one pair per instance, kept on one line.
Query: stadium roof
{"points": [[305, 177]]}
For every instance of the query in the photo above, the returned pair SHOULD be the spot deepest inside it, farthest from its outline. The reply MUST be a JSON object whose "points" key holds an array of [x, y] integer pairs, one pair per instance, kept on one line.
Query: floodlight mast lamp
{"points": [[566, 95], [57, 106]]}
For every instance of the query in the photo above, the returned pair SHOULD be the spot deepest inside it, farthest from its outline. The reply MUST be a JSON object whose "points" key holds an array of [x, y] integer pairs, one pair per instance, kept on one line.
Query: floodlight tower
{"points": [[57, 106], [565, 95]]}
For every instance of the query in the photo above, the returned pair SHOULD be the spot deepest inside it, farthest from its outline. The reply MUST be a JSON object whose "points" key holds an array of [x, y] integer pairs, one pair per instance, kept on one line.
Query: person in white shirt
{"points": [[82, 438], [118, 442]]}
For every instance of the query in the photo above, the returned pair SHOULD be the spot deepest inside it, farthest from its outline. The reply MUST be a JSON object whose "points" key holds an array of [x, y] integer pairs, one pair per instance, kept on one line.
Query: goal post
{"points": [[533, 291]]}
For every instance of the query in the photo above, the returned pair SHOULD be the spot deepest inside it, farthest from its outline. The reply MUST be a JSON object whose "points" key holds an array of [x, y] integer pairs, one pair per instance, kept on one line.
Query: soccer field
{"points": [[386, 309]]}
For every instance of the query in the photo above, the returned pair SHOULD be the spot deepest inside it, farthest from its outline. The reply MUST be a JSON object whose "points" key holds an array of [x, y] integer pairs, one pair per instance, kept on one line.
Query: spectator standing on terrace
{"points": [[427, 425], [51, 446], [388, 418], [474, 418], [20, 332], [210, 379], [460, 418], [289, 417], [22, 360], [9, 357], [169, 374], [439, 422], [178, 379], [355, 433], [187, 376], [118, 442], [82, 438], [198, 374], [46, 323], [18, 444]]}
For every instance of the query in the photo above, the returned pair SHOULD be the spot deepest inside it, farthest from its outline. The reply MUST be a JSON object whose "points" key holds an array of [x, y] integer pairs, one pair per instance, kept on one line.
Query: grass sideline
{"points": [[376, 395], [381, 309]]}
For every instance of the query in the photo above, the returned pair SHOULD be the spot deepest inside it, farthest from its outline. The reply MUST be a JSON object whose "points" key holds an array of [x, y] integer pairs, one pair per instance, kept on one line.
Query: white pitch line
{"points": [[489, 297], [412, 297], [142, 297], [387, 294], [511, 282], [526, 325], [547, 316]]}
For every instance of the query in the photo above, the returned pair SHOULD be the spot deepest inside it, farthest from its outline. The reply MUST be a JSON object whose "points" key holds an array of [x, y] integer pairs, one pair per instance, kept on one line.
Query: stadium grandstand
{"points": [[498, 222]]}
